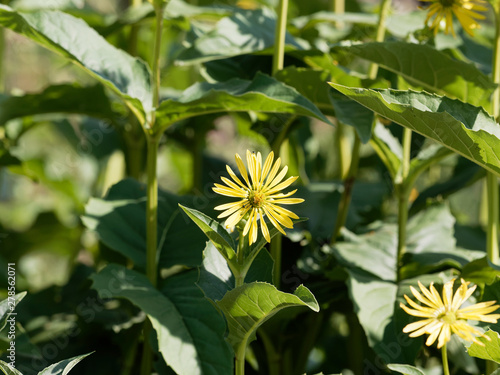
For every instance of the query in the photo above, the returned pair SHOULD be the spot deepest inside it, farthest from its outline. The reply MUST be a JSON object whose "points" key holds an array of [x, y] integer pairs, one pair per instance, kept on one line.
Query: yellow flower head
{"points": [[443, 316], [259, 195], [464, 10]]}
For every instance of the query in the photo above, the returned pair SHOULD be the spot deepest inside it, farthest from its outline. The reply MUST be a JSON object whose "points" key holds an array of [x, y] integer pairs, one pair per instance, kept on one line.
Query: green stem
{"points": [[342, 145], [384, 12], [402, 191], [240, 273], [153, 138], [339, 8], [279, 39], [273, 357], [134, 31], [152, 211], [345, 199], [275, 249], [444, 353], [2, 60], [240, 358]]}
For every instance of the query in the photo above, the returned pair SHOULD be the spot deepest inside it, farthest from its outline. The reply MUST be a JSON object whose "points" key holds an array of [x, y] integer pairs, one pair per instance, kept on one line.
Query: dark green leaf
{"points": [[263, 94], [119, 219], [214, 231], [91, 101], [465, 129], [189, 329]]}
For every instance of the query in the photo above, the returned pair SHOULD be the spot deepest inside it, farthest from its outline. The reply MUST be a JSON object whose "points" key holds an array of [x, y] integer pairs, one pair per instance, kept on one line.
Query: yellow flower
{"points": [[464, 10], [444, 316], [259, 196]]}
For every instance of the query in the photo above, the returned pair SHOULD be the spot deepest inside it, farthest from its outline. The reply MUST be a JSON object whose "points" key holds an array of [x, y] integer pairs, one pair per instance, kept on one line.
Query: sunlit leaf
{"points": [[189, 329], [63, 367], [465, 129], [8, 370], [246, 31], [405, 369], [422, 65], [72, 38], [250, 305], [490, 350], [263, 94], [7, 307]]}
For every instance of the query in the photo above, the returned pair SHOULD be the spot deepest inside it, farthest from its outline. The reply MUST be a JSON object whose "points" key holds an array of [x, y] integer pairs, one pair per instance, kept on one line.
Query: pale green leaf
{"points": [[247, 307], [8, 370], [465, 129], [491, 349]]}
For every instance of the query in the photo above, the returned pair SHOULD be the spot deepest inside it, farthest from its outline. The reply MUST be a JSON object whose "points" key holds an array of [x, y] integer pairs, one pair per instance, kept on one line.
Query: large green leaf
{"points": [[244, 32], [190, 331], [490, 350], [63, 367], [263, 94], [72, 38], [119, 219], [7, 307], [424, 66], [90, 101], [463, 128], [247, 307]]}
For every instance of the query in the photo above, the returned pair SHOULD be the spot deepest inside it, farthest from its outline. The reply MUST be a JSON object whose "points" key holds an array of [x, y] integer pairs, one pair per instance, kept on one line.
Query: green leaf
{"points": [[263, 94], [405, 369], [91, 101], [119, 221], [248, 306], [7, 307], [216, 279], [422, 65], [465, 129], [491, 349], [44, 4], [189, 329], [63, 367], [215, 232], [72, 38], [7, 370], [388, 148], [244, 32], [480, 271], [310, 83]]}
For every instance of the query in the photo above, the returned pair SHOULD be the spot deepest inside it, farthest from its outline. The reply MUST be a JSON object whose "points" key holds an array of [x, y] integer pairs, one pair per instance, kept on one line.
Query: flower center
{"points": [[448, 317], [256, 199], [447, 3]]}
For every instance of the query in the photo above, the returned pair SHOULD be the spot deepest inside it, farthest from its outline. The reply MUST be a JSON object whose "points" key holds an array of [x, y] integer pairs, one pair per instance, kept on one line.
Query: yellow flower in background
{"points": [[443, 316], [464, 10], [259, 195]]}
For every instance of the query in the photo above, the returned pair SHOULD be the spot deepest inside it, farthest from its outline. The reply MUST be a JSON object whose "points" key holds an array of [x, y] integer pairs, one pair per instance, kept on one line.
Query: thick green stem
{"points": [[240, 359], [384, 12], [152, 211], [345, 199], [444, 353], [402, 191], [153, 139], [339, 8], [275, 249], [279, 38]]}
